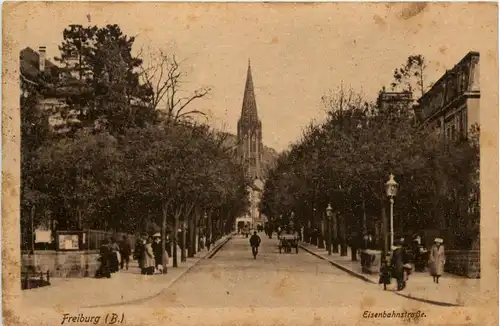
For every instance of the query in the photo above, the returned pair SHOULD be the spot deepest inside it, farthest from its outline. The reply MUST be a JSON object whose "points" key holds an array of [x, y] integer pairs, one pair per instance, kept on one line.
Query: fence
{"points": [[95, 238]]}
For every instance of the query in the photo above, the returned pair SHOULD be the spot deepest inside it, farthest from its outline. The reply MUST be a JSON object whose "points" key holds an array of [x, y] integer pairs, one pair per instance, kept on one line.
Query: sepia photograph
{"points": [[250, 163]]}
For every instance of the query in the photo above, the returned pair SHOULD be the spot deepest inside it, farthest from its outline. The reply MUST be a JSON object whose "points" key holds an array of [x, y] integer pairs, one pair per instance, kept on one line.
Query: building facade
{"points": [[51, 83], [451, 107], [449, 110], [395, 101]]}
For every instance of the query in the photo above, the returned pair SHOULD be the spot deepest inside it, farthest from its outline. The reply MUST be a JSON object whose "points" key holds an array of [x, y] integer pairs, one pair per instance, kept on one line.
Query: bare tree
{"points": [[411, 75], [342, 100], [163, 75]]}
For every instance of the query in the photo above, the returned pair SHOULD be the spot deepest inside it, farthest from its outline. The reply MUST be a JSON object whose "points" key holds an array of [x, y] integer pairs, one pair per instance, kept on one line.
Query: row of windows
{"points": [[456, 127], [454, 85]]}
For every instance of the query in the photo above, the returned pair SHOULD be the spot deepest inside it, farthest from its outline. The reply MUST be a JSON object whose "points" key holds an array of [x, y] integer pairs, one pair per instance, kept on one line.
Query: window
{"points": [[464, 122], [464, 81]]}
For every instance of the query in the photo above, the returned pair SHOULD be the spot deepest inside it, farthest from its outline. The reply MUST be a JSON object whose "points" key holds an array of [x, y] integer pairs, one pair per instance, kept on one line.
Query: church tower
{"points": [[250, 132]]}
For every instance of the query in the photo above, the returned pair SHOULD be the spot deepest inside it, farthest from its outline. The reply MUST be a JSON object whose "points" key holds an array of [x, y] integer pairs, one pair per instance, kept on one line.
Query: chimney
{"points": [[42, 58]]}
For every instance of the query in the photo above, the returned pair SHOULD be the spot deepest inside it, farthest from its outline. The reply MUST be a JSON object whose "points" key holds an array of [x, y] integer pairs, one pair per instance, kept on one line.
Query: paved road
{"points": [[232, 278]]}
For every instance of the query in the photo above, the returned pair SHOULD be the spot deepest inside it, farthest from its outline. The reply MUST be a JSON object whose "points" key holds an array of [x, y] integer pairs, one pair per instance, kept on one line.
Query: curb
{"points": [[366, 279], [212, 252], [345, 269], [437, 303], [216, 249]]}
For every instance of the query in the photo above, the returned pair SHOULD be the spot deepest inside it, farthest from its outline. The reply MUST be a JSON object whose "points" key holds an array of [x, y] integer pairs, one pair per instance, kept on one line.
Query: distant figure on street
{"points": [[353, 240], [125, 252], [437, 259], [164, 262], [148, 262], [201, 241], [255, 243]]}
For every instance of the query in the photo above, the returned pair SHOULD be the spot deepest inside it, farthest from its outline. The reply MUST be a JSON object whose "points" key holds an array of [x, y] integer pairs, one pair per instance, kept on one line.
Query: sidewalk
{"points": [[452, 290], [123, 287]]}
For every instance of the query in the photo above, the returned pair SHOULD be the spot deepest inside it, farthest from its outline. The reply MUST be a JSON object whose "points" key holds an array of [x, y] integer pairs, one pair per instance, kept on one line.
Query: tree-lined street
{"points": [[232, 278], [134, 168]]}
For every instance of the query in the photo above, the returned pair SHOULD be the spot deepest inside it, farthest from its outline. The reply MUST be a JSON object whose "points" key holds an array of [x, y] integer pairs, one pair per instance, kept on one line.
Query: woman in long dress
{"points": [[148, 263], [115, 256], [437, 260]]}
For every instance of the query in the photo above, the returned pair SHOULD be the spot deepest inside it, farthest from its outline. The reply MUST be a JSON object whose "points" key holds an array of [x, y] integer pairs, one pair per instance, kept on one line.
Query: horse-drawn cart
{"points": [[287, 242]]}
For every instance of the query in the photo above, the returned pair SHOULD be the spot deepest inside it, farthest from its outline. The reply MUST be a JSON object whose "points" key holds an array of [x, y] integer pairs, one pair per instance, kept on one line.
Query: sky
{"points": [[298, 52]]}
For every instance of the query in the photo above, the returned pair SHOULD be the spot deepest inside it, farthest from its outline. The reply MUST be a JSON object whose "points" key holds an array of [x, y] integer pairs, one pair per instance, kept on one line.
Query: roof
{"points": [[30, 63], [249, 107], [430, 92]]}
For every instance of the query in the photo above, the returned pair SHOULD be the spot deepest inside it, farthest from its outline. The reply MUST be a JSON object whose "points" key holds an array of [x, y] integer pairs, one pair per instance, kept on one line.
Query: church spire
{"points": [[249, 107]]}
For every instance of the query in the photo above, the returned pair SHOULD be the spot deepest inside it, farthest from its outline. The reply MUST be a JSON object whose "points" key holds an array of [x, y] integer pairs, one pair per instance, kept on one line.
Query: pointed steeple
{"points": [[249, 107]]}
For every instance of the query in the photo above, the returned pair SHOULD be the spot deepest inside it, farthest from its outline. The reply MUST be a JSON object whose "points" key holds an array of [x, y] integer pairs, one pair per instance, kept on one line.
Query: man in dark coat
{"points": [[255, 243], [125, 252], [398, 260], [104, 268], [157, 251]]}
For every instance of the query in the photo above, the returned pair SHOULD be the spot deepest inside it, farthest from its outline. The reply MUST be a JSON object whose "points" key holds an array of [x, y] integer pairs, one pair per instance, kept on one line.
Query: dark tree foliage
{"points": [[346, 161]]}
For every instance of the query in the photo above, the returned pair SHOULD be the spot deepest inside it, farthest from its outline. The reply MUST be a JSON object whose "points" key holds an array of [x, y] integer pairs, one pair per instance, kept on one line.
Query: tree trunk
{"points": [[209, 227], [183, 240], [364, 230], [174, 240], [335, 236], [197, 227], [164, 232], [343, 245], [321, 239], [189, 236], [187, 215]]}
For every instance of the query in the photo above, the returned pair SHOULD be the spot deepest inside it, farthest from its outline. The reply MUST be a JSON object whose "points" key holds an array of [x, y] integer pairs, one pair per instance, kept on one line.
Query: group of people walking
{"points": [[113, 257], [151, 255], [399, 267]]}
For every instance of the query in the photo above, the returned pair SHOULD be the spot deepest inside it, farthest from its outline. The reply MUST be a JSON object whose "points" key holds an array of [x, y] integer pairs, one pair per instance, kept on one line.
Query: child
{"points": [[385, 274]]}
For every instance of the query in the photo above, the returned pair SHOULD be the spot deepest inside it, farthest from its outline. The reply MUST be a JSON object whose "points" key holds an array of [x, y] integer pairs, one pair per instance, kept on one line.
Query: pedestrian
{"points": [[104, 270], [385, 273], [398, 260], [115, 256], [125, 252], [139, 251], [354, 243], [208, 240], [148, 258], [165, 261], [370, 242], [158, 253], [437, 260], [255, 243], [201, 241]]}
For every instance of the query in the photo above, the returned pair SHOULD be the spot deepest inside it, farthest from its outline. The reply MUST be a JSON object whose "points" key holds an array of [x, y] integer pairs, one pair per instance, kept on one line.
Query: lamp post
{"points": [[329, 214], [391, 188]]}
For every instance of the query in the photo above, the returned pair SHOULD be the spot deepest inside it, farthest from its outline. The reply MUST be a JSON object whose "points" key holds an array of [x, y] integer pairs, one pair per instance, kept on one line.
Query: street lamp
{"points": [[391, 188], [329, 214]]}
